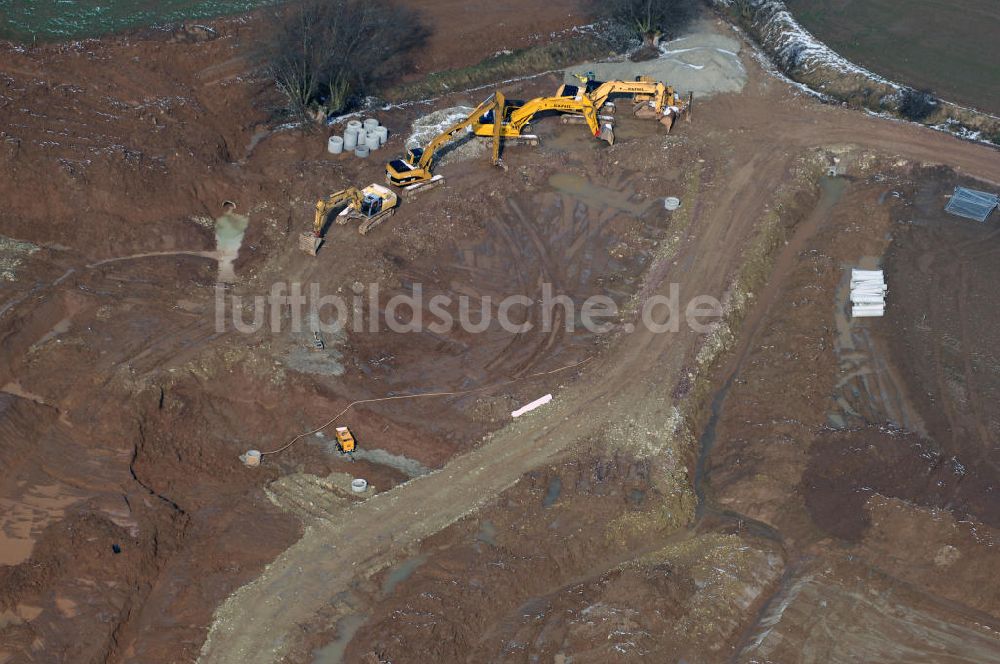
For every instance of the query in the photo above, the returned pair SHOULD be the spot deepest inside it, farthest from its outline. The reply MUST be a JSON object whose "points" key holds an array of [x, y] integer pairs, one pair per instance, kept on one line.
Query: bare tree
{"points": [[650, 19], [324, 54]]}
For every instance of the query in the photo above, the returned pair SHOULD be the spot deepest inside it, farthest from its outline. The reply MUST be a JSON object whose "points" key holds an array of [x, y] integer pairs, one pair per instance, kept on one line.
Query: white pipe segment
{"points": [[531, 406], [867, 310]]}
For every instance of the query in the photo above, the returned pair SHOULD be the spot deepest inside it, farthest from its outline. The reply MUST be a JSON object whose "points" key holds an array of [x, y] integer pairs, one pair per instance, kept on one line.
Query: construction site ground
{"points": [[791, 486]]}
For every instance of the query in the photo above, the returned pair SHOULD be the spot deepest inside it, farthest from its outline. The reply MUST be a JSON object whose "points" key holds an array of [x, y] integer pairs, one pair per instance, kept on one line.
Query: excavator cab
{"points": [[589, 80], [371, 205], [487, 117], [407, 171], [375, 204], [588, 83]]}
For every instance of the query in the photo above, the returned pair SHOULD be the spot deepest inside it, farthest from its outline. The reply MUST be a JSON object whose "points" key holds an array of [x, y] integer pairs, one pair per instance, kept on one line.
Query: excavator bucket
{"points": [[645, 111], [607, 133], [309, 243]]}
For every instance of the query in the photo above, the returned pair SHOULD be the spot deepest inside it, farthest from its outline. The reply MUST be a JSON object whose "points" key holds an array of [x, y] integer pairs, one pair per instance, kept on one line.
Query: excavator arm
{"points": [[498, 112], [495, 102], [414, 170], [310, 242], [654, 90], [664, 103], [522, 115], [516, 118], [350, 196]]}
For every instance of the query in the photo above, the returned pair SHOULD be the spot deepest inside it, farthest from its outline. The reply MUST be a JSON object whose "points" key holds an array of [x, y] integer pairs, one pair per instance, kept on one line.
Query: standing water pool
{"points": [[229, 231]]}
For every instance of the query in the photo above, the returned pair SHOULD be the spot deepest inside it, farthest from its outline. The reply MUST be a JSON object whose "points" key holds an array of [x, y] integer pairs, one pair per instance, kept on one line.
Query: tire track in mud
{"points": [[933, 306], [975, 401], [545, 273], [251, 624], [548, 273]]}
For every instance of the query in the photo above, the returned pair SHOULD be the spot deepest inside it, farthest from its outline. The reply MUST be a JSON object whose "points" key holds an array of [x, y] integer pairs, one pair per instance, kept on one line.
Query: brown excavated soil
{"points": [[839, 506], [857, 441]]}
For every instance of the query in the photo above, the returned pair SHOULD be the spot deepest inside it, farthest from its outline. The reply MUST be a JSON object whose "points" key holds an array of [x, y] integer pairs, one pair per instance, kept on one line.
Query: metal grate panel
{"points": [[971, 204]]}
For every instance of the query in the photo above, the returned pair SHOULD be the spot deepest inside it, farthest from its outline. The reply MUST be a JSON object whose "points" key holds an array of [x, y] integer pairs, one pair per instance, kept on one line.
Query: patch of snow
{"points": [[796, 49], [429, 126]]}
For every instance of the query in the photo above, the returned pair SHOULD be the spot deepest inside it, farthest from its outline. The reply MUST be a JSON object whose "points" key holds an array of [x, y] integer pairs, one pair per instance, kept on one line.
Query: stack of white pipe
{"points": [[367, 134], [867, 293]]}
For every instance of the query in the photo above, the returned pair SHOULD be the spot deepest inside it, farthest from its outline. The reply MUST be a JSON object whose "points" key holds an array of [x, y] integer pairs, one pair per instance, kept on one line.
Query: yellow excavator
{"points": [[413, 172], [652, 99], [372, 205], [517, 116]]}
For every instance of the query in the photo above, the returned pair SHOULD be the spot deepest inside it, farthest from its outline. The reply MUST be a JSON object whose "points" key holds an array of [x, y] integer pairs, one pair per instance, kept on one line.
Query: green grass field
{"points": [[950, 47], [45, 20]]}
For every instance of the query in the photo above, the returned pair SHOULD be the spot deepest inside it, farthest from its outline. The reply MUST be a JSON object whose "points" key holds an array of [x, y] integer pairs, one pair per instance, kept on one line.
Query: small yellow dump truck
{"points": [[345, 440]]}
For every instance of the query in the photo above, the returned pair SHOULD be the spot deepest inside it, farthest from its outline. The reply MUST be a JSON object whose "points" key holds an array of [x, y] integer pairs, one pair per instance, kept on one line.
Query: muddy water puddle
{"points": [[552, 493], [573, 139], [348, 626], [401, 573], [598, 195], [487, 533], [333, 652], [409, 467], [259, 135], [229, 231], [62, 327]]}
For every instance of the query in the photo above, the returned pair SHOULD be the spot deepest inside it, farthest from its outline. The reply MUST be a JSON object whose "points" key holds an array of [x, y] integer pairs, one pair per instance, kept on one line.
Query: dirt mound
{"points": [[586, 576], [846, 469]]}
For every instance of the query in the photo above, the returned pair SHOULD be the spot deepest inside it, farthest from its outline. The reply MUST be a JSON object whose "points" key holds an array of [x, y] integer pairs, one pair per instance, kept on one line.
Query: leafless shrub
{"points": [[650, 19], [916, 105], [325, 55]]}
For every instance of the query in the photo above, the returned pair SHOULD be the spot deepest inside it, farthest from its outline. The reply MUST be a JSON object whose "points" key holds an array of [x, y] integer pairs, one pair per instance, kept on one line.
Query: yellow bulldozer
{"points": [[372, 205], [413, 171], [651, 99]]}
